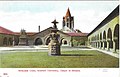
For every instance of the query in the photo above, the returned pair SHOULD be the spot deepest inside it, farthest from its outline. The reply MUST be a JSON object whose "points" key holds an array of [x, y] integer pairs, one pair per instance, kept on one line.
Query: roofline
{"points": [[43, 30], [112, 15], [79, 36], [11, 32], [63, 32], [7, 34]]}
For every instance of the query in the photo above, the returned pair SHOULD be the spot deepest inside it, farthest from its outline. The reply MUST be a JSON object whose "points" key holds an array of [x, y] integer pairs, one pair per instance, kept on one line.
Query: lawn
{"points": [[68, 59]]}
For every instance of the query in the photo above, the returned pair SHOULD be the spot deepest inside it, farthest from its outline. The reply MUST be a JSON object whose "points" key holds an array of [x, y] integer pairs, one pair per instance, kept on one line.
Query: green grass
{"points": [[68, 59]]}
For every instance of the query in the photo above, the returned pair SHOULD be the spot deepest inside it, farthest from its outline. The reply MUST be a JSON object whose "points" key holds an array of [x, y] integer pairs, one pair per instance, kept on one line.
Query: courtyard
{"points": [[74, 57]]}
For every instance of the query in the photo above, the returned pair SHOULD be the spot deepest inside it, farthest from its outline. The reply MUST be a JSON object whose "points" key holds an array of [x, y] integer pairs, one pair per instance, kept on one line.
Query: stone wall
{"points": [[6, 40]]}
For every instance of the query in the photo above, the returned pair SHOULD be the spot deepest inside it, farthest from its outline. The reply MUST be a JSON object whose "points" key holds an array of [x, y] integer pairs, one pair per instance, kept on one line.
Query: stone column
{"points": [[95, 44], [103, 44], [114, 44], [114, 48], [108, 44], [99, 44]]}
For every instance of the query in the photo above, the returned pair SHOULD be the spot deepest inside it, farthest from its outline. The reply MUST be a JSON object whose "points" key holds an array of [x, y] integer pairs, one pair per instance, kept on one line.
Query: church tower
{"points": [[68, 22]]}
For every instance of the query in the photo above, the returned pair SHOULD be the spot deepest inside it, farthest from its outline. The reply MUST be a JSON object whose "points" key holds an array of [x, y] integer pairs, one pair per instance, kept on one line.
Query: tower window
{"points": [[67, 24]]}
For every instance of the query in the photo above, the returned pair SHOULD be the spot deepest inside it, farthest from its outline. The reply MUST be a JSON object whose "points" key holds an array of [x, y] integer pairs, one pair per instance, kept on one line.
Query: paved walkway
{"points": [[107, 52], [45, 49]]}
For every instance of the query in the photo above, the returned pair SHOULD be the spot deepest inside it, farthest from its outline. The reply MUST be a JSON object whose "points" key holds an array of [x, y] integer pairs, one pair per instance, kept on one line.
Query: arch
{"points": [[116, 36], [61, 40], [116, 31], [10, 41], [38, 41], [48, 41], [5, 41], [109, 37], [65, 42], [104, 37]]}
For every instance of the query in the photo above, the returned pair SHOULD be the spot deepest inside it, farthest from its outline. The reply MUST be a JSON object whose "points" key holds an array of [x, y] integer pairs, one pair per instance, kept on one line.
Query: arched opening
{"points": [[116, 36], [5, 41], [109, 36], [61, 41], [38, 41], [10, 41], [97, 37], [65, 42], [101, 40], [48, 41], [104, 37]]}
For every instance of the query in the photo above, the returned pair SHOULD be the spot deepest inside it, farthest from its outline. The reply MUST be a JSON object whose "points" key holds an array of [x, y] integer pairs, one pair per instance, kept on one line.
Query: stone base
{"points": [[22, 44], [54, 49]]}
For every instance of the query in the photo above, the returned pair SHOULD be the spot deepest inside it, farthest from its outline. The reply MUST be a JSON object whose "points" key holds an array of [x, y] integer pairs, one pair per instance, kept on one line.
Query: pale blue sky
{"points": [[26, 14], [43, 6]]}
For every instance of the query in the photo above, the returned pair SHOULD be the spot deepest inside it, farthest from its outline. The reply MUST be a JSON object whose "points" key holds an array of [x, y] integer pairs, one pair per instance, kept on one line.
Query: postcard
{"points": [[59, 38]]}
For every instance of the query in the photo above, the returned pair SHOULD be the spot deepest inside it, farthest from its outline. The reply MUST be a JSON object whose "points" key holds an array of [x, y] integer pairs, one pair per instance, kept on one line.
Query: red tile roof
{"points": [[5, 31], [77, 34], [28, 33]]}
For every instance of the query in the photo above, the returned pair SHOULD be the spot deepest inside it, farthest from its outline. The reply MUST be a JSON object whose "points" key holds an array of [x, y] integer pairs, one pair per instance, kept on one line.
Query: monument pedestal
{"points": [[23, 40], [54, 45], [54, 49]]}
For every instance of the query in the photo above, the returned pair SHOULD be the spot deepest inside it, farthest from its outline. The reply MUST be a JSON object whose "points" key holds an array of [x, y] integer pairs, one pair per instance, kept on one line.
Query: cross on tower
{"points": [[54, 22]]}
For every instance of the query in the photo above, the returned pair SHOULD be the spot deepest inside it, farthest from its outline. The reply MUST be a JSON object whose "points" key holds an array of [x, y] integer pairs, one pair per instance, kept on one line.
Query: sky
{"points": [[28, 15]]}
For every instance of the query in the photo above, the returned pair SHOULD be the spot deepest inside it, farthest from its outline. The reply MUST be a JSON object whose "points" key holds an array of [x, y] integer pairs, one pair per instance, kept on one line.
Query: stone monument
{"points": [[54, 45], [23, 40]]}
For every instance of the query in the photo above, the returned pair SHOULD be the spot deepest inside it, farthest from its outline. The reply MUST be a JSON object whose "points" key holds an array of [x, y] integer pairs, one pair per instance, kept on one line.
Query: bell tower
{"points": [[68, 22]]}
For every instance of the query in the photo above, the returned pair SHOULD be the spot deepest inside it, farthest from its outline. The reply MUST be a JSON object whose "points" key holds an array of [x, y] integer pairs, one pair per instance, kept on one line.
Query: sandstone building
{"points": [[105, 36], [69, 36]]}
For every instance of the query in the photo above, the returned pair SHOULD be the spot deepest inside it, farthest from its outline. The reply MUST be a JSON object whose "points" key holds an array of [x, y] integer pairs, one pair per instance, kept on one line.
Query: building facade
{"points": [[6, 37], [68, 36], [106, 35]]}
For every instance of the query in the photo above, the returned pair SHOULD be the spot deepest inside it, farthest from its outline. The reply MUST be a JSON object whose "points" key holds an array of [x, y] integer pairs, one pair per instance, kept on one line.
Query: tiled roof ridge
{"points": [[5, 31], [77, 34]]}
